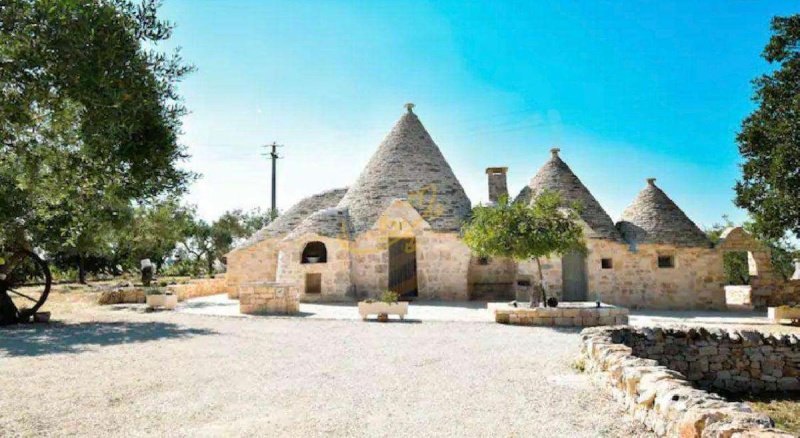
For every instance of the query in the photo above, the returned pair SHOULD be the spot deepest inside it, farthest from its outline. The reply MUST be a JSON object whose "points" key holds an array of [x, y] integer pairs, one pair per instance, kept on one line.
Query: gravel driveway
{"points": [[191, 375]]}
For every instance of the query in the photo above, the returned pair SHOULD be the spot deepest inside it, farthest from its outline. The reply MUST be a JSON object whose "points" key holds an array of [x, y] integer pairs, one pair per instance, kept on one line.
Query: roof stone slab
{"points": [[330, 222], [292, 217], [654, 218], [408, 165], [556, 176]]}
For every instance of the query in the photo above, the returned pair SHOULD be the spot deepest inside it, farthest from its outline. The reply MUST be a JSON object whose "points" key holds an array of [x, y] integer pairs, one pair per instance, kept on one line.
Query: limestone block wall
{"points": [[696, 282], [636, 281], [493, 280], [442, 263], [442, 266], [259, 297], [442, 258], [335, 273], [255, 263]]}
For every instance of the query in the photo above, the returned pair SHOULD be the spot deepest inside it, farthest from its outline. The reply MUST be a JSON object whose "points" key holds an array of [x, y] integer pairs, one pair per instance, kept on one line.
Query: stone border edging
{"points": [[663, 399], [562, 316]]}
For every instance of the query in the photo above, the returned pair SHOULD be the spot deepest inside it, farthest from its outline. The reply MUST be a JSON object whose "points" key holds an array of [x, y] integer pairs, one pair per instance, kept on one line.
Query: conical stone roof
{"points": [[292, 217], [556, 176], [408, 165], [330, 222], [654, 218]]}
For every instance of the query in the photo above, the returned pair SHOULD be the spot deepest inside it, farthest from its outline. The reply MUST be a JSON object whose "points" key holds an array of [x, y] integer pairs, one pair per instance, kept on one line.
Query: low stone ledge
{"points": [[567, 314], [662, 398], [265, 297]]}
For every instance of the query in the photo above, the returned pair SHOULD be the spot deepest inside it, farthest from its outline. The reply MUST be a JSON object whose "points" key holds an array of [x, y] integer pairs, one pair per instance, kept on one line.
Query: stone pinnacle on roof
{"points": [[408, 165], [557, 177], [654, 218]]}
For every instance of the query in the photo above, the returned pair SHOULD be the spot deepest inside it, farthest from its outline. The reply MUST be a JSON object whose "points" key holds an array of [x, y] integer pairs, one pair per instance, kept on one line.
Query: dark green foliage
{"points": [[89, 120], [734, 263], [207, 244], [769, 139], [523, 232]]}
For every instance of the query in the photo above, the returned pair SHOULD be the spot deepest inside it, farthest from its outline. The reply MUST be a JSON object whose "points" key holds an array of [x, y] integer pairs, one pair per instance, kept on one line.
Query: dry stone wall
{"points": [[734, 361], [662, 398]]}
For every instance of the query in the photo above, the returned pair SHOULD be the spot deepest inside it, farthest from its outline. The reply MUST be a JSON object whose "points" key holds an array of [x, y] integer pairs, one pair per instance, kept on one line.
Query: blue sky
{"points": [[627, 90]]}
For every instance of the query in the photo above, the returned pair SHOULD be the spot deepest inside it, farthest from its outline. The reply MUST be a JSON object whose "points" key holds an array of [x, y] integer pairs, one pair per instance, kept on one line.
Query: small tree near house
{"points": [[521, 231]]}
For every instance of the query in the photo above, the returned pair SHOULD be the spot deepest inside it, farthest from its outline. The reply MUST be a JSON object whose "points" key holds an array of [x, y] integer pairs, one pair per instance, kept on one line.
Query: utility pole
{"points": [[273, 155]]}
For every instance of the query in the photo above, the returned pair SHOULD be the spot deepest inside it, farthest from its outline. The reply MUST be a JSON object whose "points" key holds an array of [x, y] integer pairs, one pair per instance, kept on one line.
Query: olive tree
{"points": [[538, 230]]}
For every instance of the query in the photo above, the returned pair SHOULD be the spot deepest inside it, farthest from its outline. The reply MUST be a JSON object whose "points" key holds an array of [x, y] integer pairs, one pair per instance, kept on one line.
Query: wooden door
{"points": [[403, 267], [573, 277]]}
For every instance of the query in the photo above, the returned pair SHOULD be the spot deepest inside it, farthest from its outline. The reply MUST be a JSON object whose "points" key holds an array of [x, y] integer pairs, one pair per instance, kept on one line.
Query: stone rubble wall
{"points": [[268, 297], [730, 361], [120, 295], [561, 316], [662, 398], [200, 287]]}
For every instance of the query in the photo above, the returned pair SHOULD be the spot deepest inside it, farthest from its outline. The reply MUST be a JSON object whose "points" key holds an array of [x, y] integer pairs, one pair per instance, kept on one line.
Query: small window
{"points": [[666, 261], [313, 283], [483, 261], [607, 264], [315, 252]]}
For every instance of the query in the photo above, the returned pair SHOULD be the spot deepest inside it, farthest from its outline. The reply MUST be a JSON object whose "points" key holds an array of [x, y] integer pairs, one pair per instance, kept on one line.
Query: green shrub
{"points": [[155, 291], [389, 297]]}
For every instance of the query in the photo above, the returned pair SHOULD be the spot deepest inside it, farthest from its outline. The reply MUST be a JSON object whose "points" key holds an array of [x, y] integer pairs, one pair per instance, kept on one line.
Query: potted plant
{"points": [[159, 297], [387, 305]]}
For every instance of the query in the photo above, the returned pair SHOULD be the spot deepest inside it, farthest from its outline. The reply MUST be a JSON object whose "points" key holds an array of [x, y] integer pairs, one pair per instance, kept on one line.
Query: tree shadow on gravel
{"points": [[54, 338]]}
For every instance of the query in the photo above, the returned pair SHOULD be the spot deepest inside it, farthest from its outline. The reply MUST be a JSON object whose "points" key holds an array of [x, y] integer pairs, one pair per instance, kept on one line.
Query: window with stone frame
{"points": [[666, 261], [606, 263]]}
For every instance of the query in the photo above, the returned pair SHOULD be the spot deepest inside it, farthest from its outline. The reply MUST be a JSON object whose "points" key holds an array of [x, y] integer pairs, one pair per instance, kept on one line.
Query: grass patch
{"points": [[783, 408], [579, 365]]}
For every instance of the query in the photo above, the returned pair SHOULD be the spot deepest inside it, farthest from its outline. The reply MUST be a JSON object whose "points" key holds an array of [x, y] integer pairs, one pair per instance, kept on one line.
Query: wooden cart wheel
{"points": [[24, 285]]}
